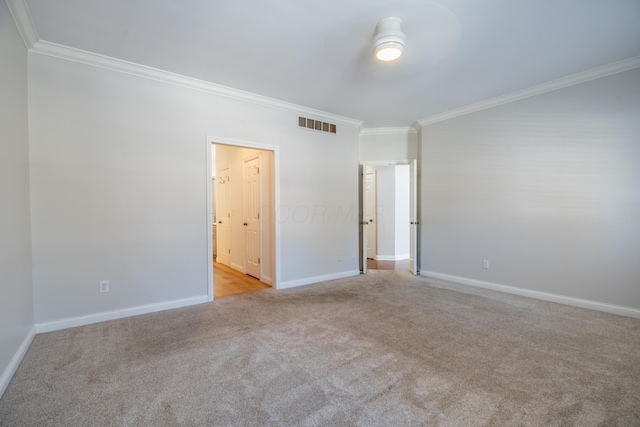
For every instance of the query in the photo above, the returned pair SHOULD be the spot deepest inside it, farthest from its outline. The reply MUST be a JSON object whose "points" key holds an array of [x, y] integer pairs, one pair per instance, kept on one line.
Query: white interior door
{"points": [[371, 212], [223, 229], [363, 219], [413, 218], [251, 216], [214, 221]]}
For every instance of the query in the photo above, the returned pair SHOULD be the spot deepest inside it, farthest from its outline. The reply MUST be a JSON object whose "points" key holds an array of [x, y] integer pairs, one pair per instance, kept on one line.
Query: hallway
{"points": [[227, 281]]}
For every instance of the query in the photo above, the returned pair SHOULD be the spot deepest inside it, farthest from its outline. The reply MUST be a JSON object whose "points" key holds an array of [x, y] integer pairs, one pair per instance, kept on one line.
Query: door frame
{"points": [[362, 168], [276, 202]]}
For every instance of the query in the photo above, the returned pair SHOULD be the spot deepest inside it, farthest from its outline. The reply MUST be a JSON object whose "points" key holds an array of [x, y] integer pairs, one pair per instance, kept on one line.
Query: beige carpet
{"points": [[385, 349]]}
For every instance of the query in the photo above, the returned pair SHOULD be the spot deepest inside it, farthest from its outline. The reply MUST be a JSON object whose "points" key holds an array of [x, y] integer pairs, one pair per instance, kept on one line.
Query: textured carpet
{"points": [[384, 349]]}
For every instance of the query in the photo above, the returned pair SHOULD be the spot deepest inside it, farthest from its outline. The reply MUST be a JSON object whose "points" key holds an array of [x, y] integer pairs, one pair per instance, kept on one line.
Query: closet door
{"points": [[224, 218], [251, 209], [214, 221]]}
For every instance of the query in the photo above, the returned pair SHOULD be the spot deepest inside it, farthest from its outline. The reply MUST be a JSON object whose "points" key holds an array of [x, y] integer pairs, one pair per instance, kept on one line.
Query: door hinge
{"points": [[258, 215], [258, 260], [229, 251]]}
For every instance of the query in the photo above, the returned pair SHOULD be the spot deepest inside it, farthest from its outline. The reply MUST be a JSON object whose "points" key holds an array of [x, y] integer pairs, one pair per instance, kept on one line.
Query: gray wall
{"points": [[547, 189], [16, 293], [388, 144], [118, 188]]}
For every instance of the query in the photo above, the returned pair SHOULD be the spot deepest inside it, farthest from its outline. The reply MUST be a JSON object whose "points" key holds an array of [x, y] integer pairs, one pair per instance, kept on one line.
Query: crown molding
{"points": [[113, 64], [574, 79], [24, 22], [388, 131]]}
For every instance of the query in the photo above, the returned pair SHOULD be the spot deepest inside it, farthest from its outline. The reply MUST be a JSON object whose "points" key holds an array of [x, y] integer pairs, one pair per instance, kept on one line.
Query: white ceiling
{"points": [[318, 54]]}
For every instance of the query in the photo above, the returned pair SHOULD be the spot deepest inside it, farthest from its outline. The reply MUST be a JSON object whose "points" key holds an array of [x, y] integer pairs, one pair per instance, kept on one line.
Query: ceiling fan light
{"points": [[389, 51], [389, 39]]}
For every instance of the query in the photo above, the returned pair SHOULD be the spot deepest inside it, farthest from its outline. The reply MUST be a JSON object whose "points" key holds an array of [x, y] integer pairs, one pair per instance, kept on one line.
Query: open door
{"points": [[413, 218], [252, 202], [223, 230], [370, 213], [363, 219]]}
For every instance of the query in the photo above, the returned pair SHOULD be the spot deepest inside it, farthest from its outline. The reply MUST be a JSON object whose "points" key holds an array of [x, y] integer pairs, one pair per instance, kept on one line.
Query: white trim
{"points": [[366, 163], [585, 76], [88, 319], [275, 149], [392, 257], [209, 212], [266, 279], [24, 21], [545, 296], [12, 367], [114, 64], [389, 131], [316, 279]]}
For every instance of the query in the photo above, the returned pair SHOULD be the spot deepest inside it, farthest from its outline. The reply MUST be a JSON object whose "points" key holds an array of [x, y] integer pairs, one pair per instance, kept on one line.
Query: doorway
{"points": [[243, 193], [388, 226]]}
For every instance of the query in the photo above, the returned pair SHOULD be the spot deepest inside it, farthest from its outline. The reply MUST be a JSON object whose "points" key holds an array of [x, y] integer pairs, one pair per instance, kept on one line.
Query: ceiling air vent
{"points": [[312, 124]]}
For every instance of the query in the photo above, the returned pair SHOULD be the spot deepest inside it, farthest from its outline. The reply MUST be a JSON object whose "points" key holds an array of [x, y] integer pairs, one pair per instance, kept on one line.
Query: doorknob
{"points": [[370, 220], [245, 224], [219, 222], [364, 223]]}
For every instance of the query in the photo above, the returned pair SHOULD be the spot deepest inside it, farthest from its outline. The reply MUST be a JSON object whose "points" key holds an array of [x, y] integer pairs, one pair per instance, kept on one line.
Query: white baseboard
{"points": [[237, 267], [266, 279], [392, 257], [5, 379], [316, 279], [117, 314], [546, 296]]}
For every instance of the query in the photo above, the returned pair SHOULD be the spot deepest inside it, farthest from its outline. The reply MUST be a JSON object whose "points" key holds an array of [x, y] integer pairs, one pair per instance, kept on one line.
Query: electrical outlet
{"points": [[485, 263], [339, 256], [104, 286]]}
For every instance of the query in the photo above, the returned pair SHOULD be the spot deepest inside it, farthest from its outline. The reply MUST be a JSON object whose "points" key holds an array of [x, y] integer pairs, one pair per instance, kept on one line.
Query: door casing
{"points": [[414, 211], [274, 215]]}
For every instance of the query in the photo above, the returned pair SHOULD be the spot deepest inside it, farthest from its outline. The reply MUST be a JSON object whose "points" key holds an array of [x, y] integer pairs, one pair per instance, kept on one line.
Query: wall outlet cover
{"points": [[104, 286]]}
